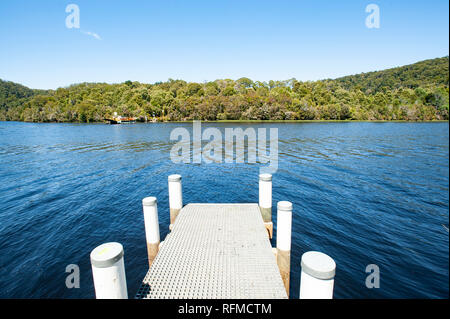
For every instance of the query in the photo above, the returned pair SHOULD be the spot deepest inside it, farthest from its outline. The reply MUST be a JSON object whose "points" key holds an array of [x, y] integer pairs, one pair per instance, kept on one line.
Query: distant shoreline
{"points": [[247, 121]]}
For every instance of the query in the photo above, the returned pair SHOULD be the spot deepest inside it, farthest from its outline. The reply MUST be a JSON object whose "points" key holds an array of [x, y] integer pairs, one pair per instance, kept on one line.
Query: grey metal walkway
{"points": [[215, 251]]}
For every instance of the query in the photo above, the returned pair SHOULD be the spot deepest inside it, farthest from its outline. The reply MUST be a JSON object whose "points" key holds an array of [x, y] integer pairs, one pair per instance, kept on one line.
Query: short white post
{"points": [[175, 196], [150, 208], [284, 230], [108, 270], [317, 277], [265, 201]]}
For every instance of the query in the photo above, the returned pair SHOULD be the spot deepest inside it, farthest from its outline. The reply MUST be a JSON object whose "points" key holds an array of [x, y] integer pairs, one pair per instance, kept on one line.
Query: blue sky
{"points": [[150, 41]]}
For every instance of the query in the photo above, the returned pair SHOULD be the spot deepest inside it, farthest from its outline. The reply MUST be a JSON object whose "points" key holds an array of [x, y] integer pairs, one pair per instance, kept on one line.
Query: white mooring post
{"points": [[175, 197], [150, 208], [317, 277], [265, 201], [108, 271], [284, 230]]}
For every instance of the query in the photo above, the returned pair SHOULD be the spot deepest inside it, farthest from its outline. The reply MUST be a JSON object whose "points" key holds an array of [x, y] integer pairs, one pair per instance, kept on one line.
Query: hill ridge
{"points": [[417, 91]]}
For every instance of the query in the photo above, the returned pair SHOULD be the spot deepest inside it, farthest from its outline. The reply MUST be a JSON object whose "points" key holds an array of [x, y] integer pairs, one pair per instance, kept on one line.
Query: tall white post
{"points": [[265, 201], [175, 196], [108, 271], [317, 277], [150, 208], [284, 230]]}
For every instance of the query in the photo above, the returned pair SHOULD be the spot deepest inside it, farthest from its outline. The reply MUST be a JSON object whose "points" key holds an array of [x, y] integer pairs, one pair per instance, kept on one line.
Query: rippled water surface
{"points": [[364, 193]]}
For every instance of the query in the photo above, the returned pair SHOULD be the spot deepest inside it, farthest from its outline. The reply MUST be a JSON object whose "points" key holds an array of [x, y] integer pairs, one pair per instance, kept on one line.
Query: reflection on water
{"points": [[364, 193]]}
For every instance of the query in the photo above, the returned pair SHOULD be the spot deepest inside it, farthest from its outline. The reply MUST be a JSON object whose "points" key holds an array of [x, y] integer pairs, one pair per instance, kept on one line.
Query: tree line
{"points": [[414, 92]]}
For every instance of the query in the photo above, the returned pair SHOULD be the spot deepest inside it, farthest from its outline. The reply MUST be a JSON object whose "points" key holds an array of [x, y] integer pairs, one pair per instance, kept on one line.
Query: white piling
{"points": [[108, 271], [317, 276], [265, 201], [175, 196], [284, 230], [150, 208]]}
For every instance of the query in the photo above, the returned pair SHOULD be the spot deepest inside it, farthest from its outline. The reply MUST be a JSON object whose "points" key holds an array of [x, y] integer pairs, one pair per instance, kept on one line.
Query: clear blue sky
{"points": [[150, 41]]}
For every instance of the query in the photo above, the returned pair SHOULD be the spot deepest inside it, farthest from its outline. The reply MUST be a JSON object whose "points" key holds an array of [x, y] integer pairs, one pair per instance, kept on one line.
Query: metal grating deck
{"points": [[215, 251]]}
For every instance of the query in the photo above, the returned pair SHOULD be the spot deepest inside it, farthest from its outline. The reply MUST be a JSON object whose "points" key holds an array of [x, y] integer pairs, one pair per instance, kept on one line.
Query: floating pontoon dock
{"points": [[218, 251], [215, 251]]}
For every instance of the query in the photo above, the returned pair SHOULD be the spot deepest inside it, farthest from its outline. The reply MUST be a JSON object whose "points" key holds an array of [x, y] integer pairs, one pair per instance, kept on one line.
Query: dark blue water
{"points": [[364, 193]]}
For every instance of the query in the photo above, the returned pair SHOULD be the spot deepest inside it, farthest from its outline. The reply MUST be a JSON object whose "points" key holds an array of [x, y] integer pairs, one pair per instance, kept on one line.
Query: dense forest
{"points": [[414, 92]]}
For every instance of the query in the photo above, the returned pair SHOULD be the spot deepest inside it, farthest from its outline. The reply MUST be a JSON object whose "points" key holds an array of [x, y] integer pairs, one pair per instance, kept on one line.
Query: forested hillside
{"points": [[414, 92], [426, 74]]}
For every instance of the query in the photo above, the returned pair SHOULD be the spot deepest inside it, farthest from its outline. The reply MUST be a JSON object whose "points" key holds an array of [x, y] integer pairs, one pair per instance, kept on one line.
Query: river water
{"points": [[363, 193]]}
